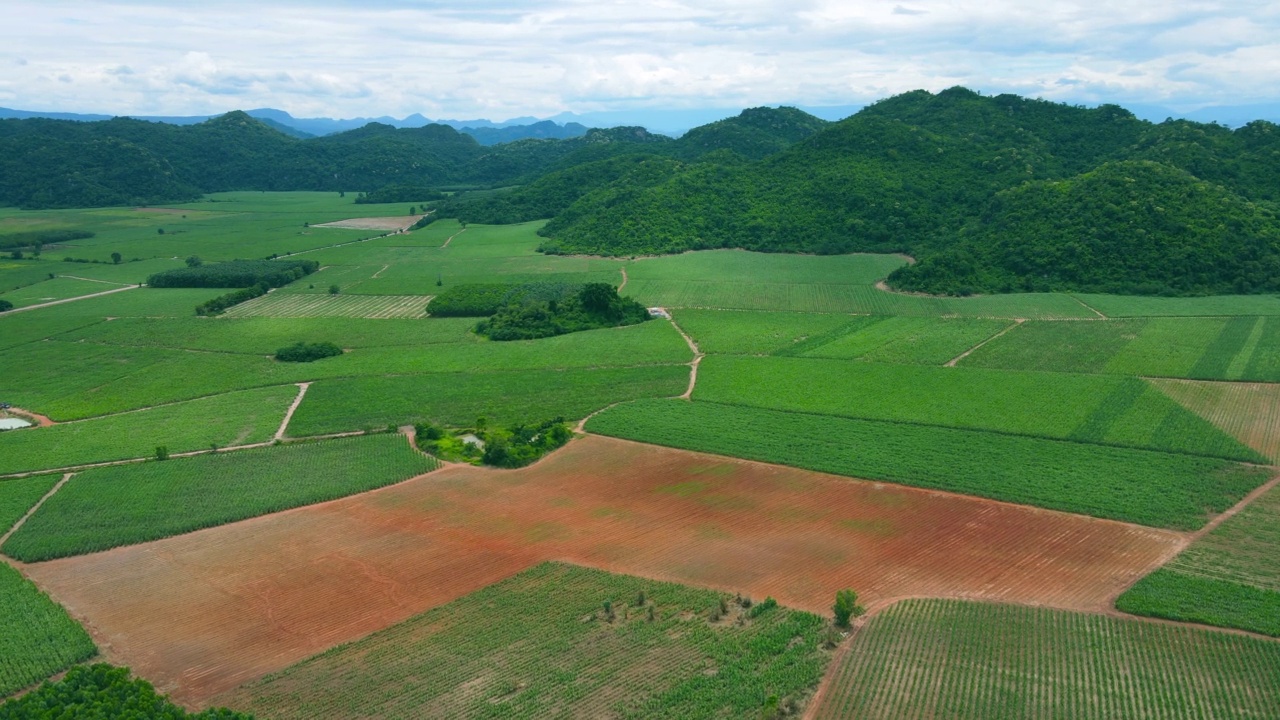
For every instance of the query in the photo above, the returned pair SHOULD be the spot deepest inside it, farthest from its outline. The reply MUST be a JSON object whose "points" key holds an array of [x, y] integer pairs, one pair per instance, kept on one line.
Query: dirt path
{"points": [[1235, 509], [32, 511], [288, 415], [1088, 307], [67, 300], [379, 273], [624, 279], [39, 419], [952, 362], [451, 237], [105, 282], [693, 364]]}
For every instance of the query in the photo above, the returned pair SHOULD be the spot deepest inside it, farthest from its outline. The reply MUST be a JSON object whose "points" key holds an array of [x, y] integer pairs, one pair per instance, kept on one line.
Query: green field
{"points": [[1238, 348], [239, 418], [296, 305], [1140, 486], [127, 504], [539, 645], [1087, 408], [949, 658], [459, 398], [37, 637], [1230, 577], [1151, 306], [19, 495]]}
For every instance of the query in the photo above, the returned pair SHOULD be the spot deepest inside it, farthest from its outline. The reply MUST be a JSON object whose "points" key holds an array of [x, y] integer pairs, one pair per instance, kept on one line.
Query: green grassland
{"points": [[457, 399], [126, 504], [1237, 348], [56, 289], [538, 645], [37, 637], [1141, 486], [950, 658], [738, 332], [238, 418], [1085, 408], [23, 328], [1230, 577]]}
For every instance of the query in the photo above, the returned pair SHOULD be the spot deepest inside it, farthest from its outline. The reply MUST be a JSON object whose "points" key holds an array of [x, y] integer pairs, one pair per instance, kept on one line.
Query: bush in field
{"points": [[222, 302], [307, 352], [103, 691], [595, 305], [235, 274], [846, 607], [5, 305]]}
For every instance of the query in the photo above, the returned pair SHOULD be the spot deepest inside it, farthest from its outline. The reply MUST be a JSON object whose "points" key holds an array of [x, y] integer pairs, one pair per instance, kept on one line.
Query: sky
{"points": [[498, 59]]}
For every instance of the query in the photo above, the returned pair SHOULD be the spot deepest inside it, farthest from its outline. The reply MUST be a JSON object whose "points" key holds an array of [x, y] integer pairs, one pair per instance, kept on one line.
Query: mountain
{"points": [[541, 130], [967, 184]]}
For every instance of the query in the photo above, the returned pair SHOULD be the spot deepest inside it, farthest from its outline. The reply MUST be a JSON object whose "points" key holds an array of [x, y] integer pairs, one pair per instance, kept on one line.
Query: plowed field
{"points": [[201, 613]]}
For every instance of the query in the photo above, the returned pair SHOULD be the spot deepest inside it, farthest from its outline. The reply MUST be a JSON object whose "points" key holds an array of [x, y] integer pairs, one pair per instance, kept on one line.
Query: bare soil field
{"points": [[398, 222], [202, 613]]}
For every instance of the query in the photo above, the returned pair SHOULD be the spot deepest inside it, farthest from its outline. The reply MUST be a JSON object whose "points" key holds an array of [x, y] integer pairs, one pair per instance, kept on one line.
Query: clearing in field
{"points": [[946, 658], [204, 612], [304, 305], [394, 223], [540, 645]]}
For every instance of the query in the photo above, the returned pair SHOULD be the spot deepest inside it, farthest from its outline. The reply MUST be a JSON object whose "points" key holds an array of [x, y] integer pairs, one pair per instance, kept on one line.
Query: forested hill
{"points": [[63, 163], [992, 194]]}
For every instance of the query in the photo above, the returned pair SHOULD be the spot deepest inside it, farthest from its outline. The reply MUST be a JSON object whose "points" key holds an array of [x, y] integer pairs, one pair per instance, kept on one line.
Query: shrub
{"points": [[307, 352], [5, 305], [768, 604], [846, 607], [222, 302]]}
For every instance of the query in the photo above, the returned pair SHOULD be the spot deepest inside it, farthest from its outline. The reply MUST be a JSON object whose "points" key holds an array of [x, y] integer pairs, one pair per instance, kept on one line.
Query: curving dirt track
{"points": [[201, 613]]}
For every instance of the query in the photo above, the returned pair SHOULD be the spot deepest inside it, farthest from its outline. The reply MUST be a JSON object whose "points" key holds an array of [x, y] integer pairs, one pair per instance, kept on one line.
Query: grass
{"points": [[457, 399], [238, 418], [950, 658], [37, 637], [1139, 486], [538, 645], [1088, 408], [1230, 577], [123, 505], [33, 326], [913, 340]]}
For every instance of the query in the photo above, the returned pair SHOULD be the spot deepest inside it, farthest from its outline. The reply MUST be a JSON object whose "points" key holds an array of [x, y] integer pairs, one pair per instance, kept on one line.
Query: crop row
{"points": [[1089, 408], [946, 658], [122, 505], [301, 305], [37, 637], [558, 640], [1141, 486]]}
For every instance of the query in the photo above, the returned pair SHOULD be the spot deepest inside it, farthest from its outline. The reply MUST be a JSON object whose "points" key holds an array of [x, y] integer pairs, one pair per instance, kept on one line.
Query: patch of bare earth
{"points": [[398, 222], [202, 613]]}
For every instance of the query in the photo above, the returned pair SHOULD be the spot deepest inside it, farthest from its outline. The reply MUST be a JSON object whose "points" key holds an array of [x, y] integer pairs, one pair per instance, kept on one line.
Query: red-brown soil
{"points": [[201, 613]]}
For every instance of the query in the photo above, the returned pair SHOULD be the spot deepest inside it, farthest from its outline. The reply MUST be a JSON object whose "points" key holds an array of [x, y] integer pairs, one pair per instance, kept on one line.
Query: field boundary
{"points": [[288, 415], [952, 362], [1087, 305], [451, 237], [67, 300], [32, 510], [693, 364]]}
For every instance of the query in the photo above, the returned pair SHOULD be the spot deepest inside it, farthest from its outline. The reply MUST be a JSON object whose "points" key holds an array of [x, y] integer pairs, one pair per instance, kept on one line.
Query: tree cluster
{"points": [[217, 305], [509, 447], [485, 299], [235, 274], [595, 305], [308, 352], [99, 692], [399, 194]]}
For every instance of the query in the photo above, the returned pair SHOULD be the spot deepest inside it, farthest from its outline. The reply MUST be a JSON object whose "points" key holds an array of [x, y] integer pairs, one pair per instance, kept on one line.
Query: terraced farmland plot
{"points": [[204, 612], [947, 658], [1153, 488], [298, 305], [1087, 408], [37, 637], [121, 505], [544, 660]]}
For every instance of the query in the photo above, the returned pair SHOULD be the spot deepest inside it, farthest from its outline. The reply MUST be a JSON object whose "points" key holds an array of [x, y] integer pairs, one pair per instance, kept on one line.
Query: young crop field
{"points": [[239, 418], [34, 326], [298, 305], [949, 658], [1229, 577], [37, 637], [1249, 412], [1086, 408], [553, 651], [59, 288], [1152, 306], [205, 612], [19, 495], [741, 332], [122, 505], [912, 340], [1141, 486], [458, 398]]}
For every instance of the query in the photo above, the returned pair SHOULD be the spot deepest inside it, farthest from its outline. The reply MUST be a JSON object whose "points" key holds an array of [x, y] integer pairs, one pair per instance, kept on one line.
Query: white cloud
{"points": [[500, 58]]}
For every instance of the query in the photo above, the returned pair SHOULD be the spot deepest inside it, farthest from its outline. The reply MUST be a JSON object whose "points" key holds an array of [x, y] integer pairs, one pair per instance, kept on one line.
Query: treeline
{"points": [[485, 299], [37, 239], [102, 691], [991, 194], [61, 163], [399, 194], [235, 274]]}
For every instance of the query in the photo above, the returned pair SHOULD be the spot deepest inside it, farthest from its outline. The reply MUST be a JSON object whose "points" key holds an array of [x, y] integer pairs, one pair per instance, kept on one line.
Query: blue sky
{"points": [[500, 58]]}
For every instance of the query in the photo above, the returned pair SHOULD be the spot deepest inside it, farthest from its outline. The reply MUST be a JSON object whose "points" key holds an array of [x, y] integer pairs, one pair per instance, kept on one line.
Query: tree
{"points": [[16, 254], [162, 452], [846, 607], [598, 297], [334, 289], [116, 258], [159, 231], [194, 261], [5, 305]]}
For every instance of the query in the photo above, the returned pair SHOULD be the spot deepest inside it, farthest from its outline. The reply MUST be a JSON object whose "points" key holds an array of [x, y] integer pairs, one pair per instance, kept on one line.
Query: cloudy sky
{"points": [[504, 58]]}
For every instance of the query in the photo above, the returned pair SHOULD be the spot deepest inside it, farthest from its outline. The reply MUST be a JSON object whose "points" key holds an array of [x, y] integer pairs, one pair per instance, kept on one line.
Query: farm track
{"points": [[32, 510], [451, 237], [693, 364], [624, 279], [288, 415], [104, 282], [203, 612], [1088, 307], [952, 362], [67, 300]]}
